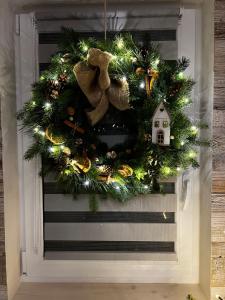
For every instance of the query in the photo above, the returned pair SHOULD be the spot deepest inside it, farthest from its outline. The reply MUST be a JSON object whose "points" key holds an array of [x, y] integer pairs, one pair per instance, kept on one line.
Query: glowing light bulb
{"points": [[182, 143], [47, 105], [67, 172], [142, 85], [117, 187], [186, 100], [166, 170], [146, 186], [86, 183], [85, 48], [33, 103], [51, 149], [36, 129], [156, 62], [62, 147], [120, 43], [191, 154], [178, 169], [180, 75], [42, 133], [194, 129]]}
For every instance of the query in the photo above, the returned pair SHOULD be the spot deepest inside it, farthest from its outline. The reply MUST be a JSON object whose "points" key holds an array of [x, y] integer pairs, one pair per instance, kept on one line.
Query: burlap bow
{"points": [[93, 79]]}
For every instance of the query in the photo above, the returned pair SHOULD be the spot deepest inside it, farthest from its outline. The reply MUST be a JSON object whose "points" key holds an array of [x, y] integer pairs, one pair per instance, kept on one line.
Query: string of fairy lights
{"points": [[124, 58]]}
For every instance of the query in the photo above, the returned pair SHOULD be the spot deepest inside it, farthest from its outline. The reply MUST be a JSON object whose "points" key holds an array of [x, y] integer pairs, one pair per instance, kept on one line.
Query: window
{"points": [[160, 137], [179, 264], [165, 124], [157, 124]]}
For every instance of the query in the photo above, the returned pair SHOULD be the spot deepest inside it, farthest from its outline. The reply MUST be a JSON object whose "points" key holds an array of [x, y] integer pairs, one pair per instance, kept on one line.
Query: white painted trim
{"points": [[184, 270]]}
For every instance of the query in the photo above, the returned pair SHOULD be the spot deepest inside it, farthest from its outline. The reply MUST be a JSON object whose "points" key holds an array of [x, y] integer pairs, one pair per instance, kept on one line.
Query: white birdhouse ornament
{"points": [[161, 126]]}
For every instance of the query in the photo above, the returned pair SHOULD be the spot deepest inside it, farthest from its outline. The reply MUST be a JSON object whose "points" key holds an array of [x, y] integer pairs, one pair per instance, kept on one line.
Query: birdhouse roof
{"points": [[161, 104]]}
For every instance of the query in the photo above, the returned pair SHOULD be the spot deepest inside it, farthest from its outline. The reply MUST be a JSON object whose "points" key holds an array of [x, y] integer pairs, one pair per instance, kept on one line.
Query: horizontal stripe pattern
{"points": [[143, 35], [116, 246], [54, 188], [94, 255], [167, 49], [108, 217], [143, 203], [110, 231]]}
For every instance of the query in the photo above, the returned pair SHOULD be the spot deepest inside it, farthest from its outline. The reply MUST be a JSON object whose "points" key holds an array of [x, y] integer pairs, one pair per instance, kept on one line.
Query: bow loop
{"points": [[93, 79]]}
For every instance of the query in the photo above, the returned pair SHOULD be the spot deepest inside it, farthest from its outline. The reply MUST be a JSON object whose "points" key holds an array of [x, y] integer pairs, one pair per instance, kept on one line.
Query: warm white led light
{"points": [[157, 61], [120, 43], [47, 105], [142, 85], [42, 133], [52, 149], [85, 48], [86, 183]]}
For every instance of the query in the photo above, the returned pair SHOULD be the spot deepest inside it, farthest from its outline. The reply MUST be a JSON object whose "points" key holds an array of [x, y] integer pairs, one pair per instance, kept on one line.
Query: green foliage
{"points": [[57, 90]]}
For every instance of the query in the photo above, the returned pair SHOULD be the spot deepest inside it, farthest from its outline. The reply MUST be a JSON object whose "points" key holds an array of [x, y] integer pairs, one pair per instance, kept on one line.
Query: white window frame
{"points": [[35, 267]]}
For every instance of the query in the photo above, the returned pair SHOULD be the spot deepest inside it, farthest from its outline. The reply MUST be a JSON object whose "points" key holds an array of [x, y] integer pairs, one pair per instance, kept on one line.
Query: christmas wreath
{"points": [[108, 117]]}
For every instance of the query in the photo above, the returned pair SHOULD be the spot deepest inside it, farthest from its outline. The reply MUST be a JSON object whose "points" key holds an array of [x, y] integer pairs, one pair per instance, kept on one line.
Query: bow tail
{"points": [[97, 114], [148, 85]]}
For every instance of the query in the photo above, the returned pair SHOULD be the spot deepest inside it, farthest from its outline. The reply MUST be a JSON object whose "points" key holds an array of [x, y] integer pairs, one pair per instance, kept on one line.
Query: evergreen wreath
{"points": [[94, 89]]}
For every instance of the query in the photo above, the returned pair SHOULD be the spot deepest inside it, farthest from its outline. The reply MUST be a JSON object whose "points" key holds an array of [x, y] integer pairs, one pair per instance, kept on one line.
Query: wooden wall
{"points": [[3, 285], [218, 186], [2, 233]]}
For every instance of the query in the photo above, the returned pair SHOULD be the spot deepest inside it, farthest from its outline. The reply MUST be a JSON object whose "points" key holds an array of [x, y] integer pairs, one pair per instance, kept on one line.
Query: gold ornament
{"points": [[150, 77], [93, 79], [81, 164], [107, 179], [140, 71], [104, 172], [56, 140], [125, 171], [67, 151], [104, 169]]}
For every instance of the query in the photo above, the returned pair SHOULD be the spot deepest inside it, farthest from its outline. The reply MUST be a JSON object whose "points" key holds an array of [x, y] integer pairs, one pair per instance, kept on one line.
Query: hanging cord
{"points": [[105, 18]]}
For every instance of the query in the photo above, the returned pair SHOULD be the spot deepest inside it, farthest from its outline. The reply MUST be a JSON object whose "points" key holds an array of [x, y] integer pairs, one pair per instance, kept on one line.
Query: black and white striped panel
{"points": [[144, 228], [165, 39]]}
